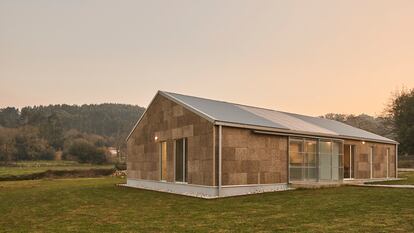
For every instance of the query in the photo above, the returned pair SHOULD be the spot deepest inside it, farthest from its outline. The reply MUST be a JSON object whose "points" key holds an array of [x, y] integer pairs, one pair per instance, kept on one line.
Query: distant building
{"points": [[201, 147], [112, 155]]}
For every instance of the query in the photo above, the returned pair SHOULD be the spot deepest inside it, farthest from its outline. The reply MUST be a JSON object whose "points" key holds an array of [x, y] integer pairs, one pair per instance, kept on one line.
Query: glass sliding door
{"points": [[302, 159], [337, 162], [296, 159], [315, 159], [325, 160], [310, 165], [181, 162], [348, 162]]}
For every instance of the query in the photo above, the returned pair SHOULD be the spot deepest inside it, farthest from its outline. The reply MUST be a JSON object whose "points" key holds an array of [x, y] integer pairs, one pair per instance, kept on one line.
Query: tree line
{"points": [[84, 132], [79, 132], [396, 122]]}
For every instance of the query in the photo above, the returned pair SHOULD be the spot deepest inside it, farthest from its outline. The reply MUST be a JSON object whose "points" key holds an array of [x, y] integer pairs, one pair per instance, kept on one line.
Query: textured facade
{"points": [[250, 158], [172, 140], [362, 159], [168, 121]]}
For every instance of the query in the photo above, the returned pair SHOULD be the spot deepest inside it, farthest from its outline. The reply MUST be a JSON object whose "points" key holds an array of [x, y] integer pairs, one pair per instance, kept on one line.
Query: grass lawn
{"points": [[30, 167], [97, 205]]}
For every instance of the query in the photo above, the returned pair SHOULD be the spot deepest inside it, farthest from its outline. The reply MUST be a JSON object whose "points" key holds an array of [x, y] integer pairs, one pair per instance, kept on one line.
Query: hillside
{"points": [[37, 132]]}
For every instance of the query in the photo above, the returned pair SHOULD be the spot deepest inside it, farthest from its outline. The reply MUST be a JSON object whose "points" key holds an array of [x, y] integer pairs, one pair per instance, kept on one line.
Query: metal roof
{"points": [[220, 111]]}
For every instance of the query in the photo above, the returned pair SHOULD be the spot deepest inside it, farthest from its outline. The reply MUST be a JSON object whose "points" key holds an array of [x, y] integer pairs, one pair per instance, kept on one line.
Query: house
{"points": [[207, 148]]}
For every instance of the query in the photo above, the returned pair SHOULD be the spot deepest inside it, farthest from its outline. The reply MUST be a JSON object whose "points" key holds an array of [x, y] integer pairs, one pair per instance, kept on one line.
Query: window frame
{"points": [[184, 159]]}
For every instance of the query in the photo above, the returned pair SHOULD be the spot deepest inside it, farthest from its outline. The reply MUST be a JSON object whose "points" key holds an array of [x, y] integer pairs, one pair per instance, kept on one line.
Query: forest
{"points": [[81, 132], [84, 133]]}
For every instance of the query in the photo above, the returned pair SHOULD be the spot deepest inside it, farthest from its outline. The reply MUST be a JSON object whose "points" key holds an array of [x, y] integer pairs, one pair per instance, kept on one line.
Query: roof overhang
{"points": [[255, 128], [276, 131]]}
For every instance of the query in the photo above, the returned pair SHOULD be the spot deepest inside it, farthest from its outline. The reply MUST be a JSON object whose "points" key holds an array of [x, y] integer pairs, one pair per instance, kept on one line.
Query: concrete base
{"points": [[362, 181], [314, 185], [326, 184], [201, 191]]}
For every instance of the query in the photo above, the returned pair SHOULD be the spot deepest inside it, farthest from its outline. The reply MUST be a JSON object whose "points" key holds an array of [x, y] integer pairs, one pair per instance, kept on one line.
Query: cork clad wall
{"points": [[250, 158], [170, 121], [379, 159]]}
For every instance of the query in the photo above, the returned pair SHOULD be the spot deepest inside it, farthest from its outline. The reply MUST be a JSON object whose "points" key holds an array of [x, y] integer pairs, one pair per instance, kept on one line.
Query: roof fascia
{"points": [[142, 116], [300, 133], [175, 100]]}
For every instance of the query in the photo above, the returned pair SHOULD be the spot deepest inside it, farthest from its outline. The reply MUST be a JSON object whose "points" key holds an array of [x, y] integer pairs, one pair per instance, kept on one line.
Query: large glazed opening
{"points": [[349, 162], [315, 159]]}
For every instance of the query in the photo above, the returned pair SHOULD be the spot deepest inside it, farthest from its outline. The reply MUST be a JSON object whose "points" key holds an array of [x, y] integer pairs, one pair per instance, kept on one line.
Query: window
{"points": [[163, 160], [302, 158], [315, 159], [181, 162], [325, 160]]}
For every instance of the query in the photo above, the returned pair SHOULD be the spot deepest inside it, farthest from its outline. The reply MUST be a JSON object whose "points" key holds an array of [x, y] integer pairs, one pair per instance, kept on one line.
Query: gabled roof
{"points": [[248, 116], [224, 113]]}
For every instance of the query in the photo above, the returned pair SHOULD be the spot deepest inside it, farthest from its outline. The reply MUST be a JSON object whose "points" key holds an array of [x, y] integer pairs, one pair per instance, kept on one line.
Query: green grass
{"points": [[97, 205], [31, 167]]}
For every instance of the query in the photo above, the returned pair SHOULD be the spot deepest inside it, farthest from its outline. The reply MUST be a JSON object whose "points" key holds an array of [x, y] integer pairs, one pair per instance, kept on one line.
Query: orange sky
{"points": [[309, 57]]}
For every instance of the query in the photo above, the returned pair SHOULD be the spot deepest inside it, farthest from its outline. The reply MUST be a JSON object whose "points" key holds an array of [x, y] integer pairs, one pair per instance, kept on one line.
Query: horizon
{"points": [[310, 58]]}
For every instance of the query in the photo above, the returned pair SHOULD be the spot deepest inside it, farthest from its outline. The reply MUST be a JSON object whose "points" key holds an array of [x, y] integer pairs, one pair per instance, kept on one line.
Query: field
{"points": [[98, 205], [31, 167]]}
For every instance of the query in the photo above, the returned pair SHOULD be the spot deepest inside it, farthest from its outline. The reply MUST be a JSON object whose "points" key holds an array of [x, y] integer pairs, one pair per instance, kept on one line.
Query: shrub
{"points": [[86, 152], [120, 166]]}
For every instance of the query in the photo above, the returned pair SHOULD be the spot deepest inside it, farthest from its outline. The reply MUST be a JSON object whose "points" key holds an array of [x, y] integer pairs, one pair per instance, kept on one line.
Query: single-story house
{"points": [[207, 148]]}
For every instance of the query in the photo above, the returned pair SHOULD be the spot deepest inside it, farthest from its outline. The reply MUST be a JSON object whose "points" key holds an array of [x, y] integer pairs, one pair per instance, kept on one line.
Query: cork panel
{"points": [[250, 158], [362, 161], [169, 121]]}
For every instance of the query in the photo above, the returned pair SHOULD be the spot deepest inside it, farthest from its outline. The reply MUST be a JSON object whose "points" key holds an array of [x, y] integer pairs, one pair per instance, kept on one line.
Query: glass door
{"points": [[349, 168]]}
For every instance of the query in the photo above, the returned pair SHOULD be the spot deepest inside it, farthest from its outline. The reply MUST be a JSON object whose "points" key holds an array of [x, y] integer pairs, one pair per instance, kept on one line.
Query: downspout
{"points": [[219, 160], [288, 161]]}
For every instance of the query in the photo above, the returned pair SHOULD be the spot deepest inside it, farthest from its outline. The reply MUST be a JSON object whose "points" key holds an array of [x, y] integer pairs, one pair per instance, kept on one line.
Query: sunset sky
{"points": [[309, 57]]}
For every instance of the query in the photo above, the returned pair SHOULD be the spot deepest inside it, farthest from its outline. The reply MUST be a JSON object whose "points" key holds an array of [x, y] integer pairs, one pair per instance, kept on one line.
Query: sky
{"points": [[308, 57]]}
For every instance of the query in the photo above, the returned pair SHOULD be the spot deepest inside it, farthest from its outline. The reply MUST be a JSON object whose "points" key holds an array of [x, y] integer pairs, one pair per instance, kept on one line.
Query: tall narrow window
{"points": [[181, 162], [163, 160], [296, 159], [325, 160]]}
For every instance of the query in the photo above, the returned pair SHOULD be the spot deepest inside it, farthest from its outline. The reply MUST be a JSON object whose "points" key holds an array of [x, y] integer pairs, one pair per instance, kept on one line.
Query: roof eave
{"points": [[301, 133]]}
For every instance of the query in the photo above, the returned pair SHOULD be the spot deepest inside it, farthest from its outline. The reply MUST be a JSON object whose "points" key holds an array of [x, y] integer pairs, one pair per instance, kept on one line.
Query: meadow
{"points": [[99, 205], [32, 167]]}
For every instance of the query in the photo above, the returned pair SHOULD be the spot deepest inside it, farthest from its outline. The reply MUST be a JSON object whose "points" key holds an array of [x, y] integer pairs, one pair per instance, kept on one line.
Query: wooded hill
{"points": [[86, 131], [110, 120], [37, 132]]}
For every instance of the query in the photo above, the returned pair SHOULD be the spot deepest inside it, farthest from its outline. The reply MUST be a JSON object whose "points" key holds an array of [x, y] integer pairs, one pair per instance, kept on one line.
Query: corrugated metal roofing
{"points": [[253, 116]]}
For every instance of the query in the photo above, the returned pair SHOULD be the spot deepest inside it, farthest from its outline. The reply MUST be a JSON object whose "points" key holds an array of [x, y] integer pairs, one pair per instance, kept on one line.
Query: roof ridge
{"points": [[321, 122], [245, 105]]}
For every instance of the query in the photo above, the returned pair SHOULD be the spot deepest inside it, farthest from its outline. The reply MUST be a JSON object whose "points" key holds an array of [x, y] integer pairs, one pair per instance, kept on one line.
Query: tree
{"points": [[86, 152], [379, 125], [401, 111], [9, 117], [7, 144], [52, 131], [29, 146]]}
